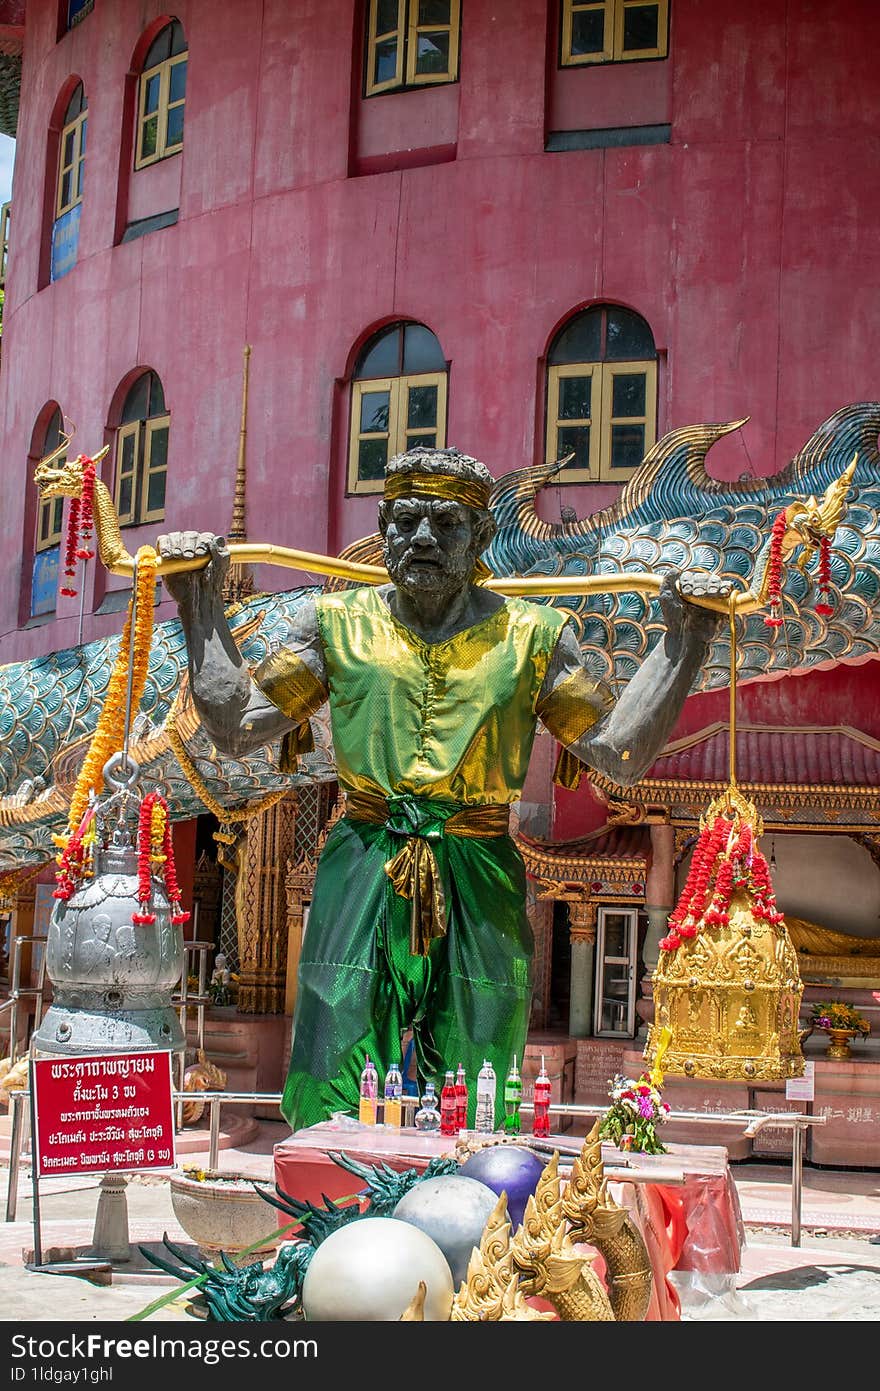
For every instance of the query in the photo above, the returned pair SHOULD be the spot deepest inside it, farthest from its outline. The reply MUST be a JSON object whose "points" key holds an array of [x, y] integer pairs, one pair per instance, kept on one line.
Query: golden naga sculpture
{"points": [[541, 1259], [806, 523]]}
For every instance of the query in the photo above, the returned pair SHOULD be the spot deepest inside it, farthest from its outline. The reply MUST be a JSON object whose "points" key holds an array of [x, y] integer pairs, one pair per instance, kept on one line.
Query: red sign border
{"points": [[98, 1058]]}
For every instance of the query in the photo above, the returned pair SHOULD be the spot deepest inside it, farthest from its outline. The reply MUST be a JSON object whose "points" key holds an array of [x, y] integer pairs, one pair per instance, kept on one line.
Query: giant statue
{"points": [[435, 686]]}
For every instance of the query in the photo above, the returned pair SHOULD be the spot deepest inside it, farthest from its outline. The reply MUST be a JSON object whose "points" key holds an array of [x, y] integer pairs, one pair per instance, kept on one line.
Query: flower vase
{"points": [[839, 1044]]}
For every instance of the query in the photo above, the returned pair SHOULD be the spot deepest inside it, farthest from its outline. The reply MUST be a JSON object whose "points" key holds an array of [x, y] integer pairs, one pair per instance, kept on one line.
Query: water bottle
{"points": [[541, 1113], [484, 1120], [393, 1092], [369, 1094], [512, 1099], [427, 1116], [461, 1099], [448, 1107]]}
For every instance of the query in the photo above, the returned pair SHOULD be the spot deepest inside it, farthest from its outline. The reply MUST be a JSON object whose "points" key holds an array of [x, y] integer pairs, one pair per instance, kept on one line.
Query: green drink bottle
{"points": [[512, 1099]]}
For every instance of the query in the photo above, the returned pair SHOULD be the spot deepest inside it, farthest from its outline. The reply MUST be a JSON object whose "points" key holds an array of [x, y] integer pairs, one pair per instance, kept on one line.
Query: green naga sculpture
{"points": [[671, 516]]}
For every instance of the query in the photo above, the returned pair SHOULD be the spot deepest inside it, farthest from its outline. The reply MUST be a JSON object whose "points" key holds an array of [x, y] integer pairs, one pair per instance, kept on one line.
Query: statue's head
{"points": [[435, 519]]}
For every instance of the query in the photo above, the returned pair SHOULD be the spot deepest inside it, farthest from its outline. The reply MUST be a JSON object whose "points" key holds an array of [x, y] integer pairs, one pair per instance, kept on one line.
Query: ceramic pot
{"points": [[223, 1212]]}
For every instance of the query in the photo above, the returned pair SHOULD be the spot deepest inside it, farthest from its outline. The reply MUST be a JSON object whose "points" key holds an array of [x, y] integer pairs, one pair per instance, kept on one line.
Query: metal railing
{"points": [[18, 992], [749, 1124]]}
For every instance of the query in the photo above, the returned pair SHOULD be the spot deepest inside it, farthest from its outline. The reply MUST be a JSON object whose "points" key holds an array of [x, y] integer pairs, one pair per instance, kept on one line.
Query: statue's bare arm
{"points": [[233, 710], [622, 738]]}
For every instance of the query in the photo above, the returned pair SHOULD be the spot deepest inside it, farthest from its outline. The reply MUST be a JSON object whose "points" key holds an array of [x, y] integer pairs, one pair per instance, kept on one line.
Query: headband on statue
{"points": [[468, 491]]}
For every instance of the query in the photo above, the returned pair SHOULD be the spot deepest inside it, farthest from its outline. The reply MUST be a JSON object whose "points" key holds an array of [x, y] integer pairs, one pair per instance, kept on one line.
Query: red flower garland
{"points": [[774, 585], [145, 864], [726, 858], [80, 524], [824, 606]]}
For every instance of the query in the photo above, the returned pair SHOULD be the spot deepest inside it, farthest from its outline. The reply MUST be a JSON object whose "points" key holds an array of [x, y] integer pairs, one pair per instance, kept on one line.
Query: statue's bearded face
{"points": [[431, 545]]}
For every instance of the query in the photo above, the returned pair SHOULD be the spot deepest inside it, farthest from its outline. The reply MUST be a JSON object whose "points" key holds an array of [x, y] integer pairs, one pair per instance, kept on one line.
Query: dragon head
{"points": [[809, 522], [58, 476]]}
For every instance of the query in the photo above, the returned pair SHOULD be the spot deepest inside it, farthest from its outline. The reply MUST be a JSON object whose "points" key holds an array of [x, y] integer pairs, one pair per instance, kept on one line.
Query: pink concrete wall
{"points": [[748, 243]]}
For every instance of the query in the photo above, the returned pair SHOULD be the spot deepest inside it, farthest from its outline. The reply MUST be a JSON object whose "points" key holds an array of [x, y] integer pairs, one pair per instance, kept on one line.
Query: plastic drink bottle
{"points": [[427, 1116], [369, 1094], [512, 1099], [541, 1115], [484, 1120], [448, 1108], [393, 1093], [461, 1099]]}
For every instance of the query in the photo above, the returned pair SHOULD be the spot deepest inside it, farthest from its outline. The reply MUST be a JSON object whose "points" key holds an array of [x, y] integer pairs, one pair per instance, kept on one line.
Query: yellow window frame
{"points": [[453, 29], [50, 512], [556, 375], [130, 431], [73, 128], [158, 422], [602, 419], [615, 15], [399, 436], [607, 472], [163, 106], [5, 223], [374, 39]]}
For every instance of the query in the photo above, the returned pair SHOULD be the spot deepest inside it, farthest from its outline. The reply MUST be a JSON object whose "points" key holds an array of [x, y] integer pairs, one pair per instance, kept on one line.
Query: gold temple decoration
{"points": [[542, 1259], [806, 523], [727, 983]]}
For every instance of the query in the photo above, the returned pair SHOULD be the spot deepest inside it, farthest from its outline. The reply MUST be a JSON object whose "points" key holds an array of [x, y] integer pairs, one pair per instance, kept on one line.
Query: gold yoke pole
{"points": [[631, 582]]}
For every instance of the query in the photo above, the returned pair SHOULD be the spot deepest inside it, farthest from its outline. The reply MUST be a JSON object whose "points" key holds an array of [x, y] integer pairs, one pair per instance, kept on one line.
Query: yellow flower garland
{"points": [[110, 730]]}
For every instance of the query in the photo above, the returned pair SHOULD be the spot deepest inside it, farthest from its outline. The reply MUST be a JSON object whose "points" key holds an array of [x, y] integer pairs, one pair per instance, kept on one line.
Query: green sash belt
{"points": [[413, 870]]}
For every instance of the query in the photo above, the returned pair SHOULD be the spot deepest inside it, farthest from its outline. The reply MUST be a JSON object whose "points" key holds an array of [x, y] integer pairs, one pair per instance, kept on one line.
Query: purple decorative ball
{"points": [[511, 1169]]}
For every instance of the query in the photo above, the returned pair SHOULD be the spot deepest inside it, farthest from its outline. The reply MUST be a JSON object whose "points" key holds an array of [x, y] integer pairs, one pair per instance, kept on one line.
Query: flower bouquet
{"points": [[834, 1014], [636, 1109]]}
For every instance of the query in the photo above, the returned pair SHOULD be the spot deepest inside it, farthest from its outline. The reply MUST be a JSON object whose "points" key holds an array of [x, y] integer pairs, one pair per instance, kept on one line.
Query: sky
{"points": [[7, 155]]}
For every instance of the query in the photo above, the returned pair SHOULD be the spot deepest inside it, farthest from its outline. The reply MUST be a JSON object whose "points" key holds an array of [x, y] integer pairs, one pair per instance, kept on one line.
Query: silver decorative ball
{"points": [[452, 1211], [370, 1270]]}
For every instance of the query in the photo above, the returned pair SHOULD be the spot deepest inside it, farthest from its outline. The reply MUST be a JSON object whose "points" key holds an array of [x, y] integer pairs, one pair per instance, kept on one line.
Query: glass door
{"points": [[616, 941]]}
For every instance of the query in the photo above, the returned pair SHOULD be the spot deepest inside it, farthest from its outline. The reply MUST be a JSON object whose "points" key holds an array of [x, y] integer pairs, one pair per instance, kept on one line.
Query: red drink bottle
{"points": [[461, 1099], [541, 1113], [448, 1108]]}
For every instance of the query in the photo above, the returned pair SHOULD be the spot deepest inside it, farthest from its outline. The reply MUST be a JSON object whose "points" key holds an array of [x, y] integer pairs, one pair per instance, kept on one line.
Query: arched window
{"points": [[142, 453], [47, 534], [162, 97], [398, 399], [601, 394], [72, 157]]}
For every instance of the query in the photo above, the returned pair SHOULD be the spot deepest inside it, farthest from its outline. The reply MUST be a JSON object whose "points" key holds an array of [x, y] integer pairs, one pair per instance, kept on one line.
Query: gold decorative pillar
{"points": [[582, 933], [261, 909], [298, 884]]}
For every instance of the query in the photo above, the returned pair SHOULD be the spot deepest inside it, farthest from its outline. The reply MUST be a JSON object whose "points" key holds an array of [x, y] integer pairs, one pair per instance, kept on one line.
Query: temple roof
{"points": [[806, 755]]}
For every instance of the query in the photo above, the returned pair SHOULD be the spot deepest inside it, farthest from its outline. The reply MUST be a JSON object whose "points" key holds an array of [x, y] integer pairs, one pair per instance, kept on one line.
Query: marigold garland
{"points": [[156, 856], [109, 733]]}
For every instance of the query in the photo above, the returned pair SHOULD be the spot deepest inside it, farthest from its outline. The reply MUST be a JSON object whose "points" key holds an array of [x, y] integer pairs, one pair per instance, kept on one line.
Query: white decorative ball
{"points": [[452, 1211], [370, 1270]]}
